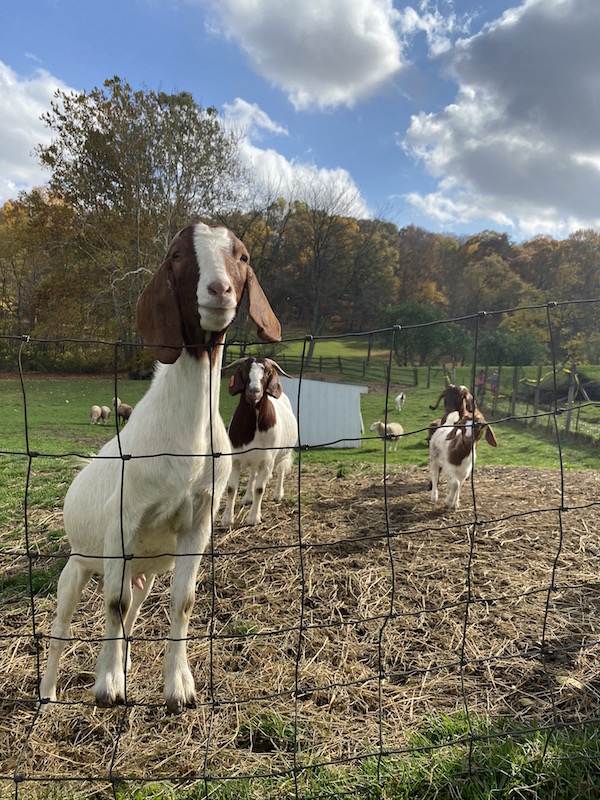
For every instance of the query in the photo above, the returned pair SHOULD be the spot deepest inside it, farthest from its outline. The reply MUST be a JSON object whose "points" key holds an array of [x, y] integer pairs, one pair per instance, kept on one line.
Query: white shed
{"points": [[328, 414]]}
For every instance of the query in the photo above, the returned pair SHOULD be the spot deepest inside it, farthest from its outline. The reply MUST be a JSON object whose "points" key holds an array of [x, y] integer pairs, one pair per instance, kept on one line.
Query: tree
{"points": [[136, 166]]}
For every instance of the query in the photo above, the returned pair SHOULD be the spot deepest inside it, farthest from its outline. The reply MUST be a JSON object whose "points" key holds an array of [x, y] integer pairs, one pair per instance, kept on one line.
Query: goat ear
{"points": [[489, 436], [274, 387], [158, 317], [236, 384], [267, 324], [453, 433]]}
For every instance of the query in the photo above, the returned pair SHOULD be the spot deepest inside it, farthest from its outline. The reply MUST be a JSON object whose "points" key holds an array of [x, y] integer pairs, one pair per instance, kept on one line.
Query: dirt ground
{"points": [[353, 615]]}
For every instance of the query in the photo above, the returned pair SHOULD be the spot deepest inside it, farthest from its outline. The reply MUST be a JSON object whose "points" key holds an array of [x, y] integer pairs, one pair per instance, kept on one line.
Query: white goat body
{"points": [[392, 432], [453, 451], [263, 432], [399, 401], [147, 503]]}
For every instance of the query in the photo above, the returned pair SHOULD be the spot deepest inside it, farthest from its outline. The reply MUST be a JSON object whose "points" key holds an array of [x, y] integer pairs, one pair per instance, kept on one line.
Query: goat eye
{"points": [[244, 258], [176, 255]]}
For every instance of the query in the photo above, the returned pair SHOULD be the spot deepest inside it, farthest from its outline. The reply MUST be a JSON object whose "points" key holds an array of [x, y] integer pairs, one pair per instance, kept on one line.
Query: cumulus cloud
{"points": [[520, 143], [322, 53], [276, 176], [23, 101]]}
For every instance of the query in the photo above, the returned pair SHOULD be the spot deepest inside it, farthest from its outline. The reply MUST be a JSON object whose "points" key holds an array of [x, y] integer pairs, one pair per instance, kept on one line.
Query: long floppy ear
{"points": [[236, 383], [158, 317], [267, 324], [274, 387], [490, 437]]}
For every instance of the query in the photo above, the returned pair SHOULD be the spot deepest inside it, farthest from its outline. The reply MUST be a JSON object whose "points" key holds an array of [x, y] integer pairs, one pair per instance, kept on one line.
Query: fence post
{"points": [[570, 396], [515, 389], [536, 396]]}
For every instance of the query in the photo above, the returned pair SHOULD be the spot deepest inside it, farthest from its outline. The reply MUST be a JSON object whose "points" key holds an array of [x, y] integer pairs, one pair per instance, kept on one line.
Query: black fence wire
{"points": [[358, 630]]}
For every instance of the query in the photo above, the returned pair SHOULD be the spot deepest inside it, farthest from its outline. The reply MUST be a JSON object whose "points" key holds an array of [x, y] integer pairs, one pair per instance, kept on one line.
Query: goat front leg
{"points": [[453, 496], [109, 689], [263, 474], [434, 473], [72, 580], [232, 488], [180, 691], [283, 468]]}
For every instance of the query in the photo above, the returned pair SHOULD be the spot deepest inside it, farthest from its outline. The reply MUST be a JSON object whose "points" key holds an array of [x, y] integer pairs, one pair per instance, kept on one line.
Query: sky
{"points": [[453, 115]]}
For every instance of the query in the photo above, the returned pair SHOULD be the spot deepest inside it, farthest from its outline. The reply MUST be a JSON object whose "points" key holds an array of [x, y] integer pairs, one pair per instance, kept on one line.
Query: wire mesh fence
{"points": [[356, 632]]}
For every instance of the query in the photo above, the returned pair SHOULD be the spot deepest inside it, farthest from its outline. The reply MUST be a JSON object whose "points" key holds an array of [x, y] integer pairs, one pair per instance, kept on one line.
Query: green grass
{"points": [[448, 759]]}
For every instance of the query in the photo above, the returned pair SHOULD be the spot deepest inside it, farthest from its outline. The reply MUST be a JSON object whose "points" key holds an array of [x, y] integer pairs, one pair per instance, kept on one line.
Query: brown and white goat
{"points": [[456, 398], [452, 452], [147, 503], [263, 433]]}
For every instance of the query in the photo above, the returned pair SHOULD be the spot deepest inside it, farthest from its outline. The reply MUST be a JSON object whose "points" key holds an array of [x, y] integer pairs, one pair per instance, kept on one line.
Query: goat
{"points": [[456, 398], [105, 414], [390, 432], [400, 398], [147, 503], [95, 414], [452, 452], [263, 433]]}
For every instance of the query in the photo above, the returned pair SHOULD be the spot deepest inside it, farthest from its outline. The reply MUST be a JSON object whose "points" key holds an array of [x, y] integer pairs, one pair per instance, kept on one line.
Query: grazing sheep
{"points": [[95, 414], [105, 413], [147, 503], [389, 433], [452, 452], [263, 432], [400, 398], [123, 412]]}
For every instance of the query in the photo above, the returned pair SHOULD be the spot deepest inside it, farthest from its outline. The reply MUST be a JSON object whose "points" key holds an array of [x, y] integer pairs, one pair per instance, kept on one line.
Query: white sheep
{"points": [[453, 451], [147, 503], [95, 414], [105, 414], [391, 432], [263, 433], [124, 411]]}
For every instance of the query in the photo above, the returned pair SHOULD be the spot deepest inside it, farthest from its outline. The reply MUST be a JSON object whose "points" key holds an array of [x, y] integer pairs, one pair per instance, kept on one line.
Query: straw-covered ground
{"points": [[356, 612]]}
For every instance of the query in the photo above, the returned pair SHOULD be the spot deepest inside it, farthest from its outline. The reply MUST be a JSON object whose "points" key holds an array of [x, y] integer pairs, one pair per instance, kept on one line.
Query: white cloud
{"points": [[23, 101], [322, 53], [520, 144], [276, 176]]}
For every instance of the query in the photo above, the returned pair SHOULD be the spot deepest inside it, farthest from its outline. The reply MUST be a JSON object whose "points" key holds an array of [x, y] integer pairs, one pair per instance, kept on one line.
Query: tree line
{"points": [[128, 169]]}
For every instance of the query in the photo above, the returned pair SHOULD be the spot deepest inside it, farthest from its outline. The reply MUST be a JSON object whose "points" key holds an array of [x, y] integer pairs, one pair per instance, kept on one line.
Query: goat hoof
{"points": [[177, 706], [105, 700]]}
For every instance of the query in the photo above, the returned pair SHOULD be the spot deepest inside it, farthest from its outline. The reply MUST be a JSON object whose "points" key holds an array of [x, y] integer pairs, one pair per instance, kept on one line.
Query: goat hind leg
{"points": [[72, 580]]}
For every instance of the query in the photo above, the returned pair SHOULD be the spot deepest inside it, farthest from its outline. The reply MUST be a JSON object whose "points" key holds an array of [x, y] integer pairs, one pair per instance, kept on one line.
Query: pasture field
{"points": [[359, 643]]}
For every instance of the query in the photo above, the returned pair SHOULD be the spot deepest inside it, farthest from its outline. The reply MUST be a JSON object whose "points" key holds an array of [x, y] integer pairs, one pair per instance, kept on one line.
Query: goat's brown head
{"points": [[256, 377], [194, 295], [473, 422], [456, 398]]}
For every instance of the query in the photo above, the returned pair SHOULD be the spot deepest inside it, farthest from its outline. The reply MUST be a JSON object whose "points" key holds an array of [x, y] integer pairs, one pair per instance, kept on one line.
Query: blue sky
{"points": [[454, 115]]}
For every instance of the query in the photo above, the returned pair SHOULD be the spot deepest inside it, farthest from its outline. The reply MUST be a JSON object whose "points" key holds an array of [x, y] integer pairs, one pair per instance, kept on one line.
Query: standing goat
{"points": [[452, 452], [263, 432], [400, 398], [147, 503]]}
